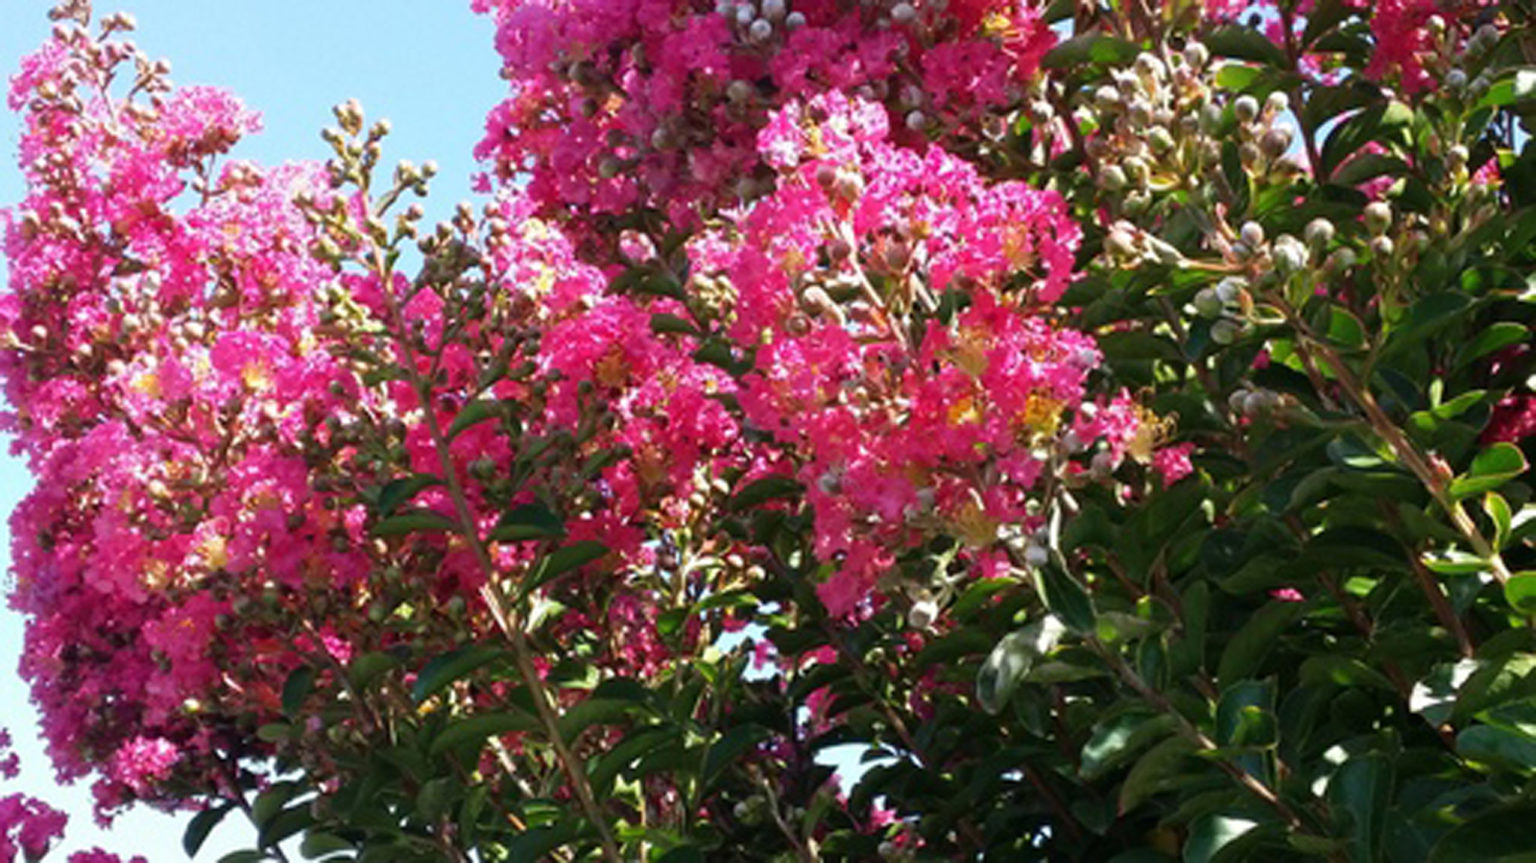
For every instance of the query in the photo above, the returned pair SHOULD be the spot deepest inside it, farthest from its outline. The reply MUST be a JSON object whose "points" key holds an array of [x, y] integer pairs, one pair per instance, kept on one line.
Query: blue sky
{"points": [[433, 74]]}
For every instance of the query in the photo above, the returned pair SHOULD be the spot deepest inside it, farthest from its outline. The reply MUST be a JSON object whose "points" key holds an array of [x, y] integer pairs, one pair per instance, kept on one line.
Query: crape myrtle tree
{"points": [[1111, 418]]}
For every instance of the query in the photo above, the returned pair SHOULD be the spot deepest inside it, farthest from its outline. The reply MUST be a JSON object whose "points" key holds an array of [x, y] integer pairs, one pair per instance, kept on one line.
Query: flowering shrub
{"points": [[1110, 418]]}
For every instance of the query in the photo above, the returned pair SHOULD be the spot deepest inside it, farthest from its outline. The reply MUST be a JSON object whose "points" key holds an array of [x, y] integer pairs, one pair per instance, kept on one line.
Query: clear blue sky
{"points": [[432, 73]]}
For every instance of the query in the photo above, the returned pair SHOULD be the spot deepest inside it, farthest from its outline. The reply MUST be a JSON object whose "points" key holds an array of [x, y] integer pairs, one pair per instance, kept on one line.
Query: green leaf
{"points": [[477, 411], [1090, 48], [764, 489], [562, 560], [400, 491], [1244, 43], [476, 729], [529, 521], [244, 857], [452, 666], [1363, 788], [730, 747], [1505, 747], [297, 688], [1118, 738], [269, 803], [1502, 517], [201, 825], [1211, 833], [1495, 336], [593, 711], [1163, 768], [1517, 86], [288, 823], [635, 745], [369, 667], [1237, 76], [318, 843], [412, 521], [1247, 649], [1064, 596], [1011, 659], [1491, 468], [1520, 593], [662, 323], [1502, 835], [539, 842]]}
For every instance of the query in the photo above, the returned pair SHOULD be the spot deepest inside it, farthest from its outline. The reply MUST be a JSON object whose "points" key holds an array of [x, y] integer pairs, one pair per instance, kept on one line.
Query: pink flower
{"points": [[1172, 462]]}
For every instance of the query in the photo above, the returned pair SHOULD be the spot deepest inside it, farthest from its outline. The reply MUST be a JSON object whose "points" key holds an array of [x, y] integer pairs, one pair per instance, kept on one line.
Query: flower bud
{"points": [[1159, 139], [774, 10], [922, 614], [1196, 55], [1289, 255], [1378, 217], [1252, 234], [1455, 80], [1382, 247], [760, 31], [1208, 303], [1225, 331], [1276, 141], [1112, 178], [903, 13], [1277, 103], [794, 21], [1319, 234], [1246, 108]]}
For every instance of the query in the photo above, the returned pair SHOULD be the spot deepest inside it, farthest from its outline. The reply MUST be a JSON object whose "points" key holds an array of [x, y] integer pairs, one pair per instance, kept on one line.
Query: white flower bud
{"points": [[1378, 217], [903, 13], [760, 31], [1252, 233], [1246, 108]]}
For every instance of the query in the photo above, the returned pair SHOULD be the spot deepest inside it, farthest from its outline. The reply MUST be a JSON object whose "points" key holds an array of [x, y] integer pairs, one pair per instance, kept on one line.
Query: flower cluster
{"points": [[622, 106]]}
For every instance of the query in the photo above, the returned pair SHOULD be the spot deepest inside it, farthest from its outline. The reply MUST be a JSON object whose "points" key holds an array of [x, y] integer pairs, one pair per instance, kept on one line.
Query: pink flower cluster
{"points": [[625, 105]]}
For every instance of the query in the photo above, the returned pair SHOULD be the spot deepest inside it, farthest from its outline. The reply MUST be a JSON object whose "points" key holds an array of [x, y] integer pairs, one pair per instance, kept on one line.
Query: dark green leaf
{"points": [[201, 825], [1211, 833], [528, 521], [1064, 595], [477, 411], [1247, 649], [1244, 43], [400, 491], [1503, 835], [661, 323], [318, 843], [296, 688], [1011, 659], [1363, 788], [1118, 738], [764, 489], [476, 729], [730, 747], [452, 666], [1163, 768], [412, 521], [563, 560], [1091, 48]]}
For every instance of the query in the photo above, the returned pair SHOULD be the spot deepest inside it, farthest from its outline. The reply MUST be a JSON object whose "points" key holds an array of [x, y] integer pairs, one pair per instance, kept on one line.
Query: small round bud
{"points": [[760, 31], [794, 21], [917, 121], [1196, 55], [1225, 331], [1246, 108], [923, 614], [774, 10], [1456, 80], [739, 91], [1456, 157], [1289, 255], [1382, 247], [1252, 233], [1378, 217], [1160, 140], [1319, 233], [1275, 142], [1277, 103], [1208, 303], [1112, 178], [903, 13]]}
